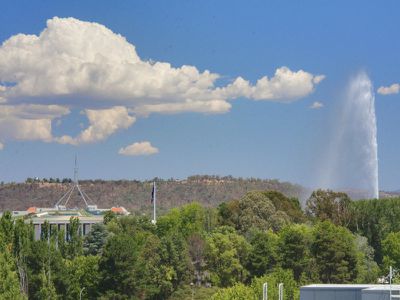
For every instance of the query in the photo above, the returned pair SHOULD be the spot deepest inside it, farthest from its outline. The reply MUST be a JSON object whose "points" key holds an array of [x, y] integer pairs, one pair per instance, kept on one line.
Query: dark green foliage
{"points": [[229, 213], [375, 219], [291, 206], [23, 238], [74, 245], [109, 216], [263, 255], [95, 240], [196, 249], [46, 289], [6, 227], [117, 263], [262, 210], [330, 206], [335, 253], [294, 250]]}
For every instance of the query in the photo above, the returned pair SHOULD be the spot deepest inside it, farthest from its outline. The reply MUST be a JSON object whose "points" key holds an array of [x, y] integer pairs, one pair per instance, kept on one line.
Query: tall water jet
{"points": [[352, 157]]}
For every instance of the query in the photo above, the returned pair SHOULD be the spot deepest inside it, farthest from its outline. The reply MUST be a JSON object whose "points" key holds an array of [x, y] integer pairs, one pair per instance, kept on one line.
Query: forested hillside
{"points": [[135, 195]]}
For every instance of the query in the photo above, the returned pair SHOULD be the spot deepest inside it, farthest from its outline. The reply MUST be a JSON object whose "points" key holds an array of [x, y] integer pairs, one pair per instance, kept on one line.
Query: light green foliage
{"points": [[237, 292], [192, 292], [391, 250], [188, 219], [226, 254], [367, 268], [81, 272], [263, 255], [133, 225], [210, 218], [9, 283], [254, 290], [335, 253], [290, 287]]}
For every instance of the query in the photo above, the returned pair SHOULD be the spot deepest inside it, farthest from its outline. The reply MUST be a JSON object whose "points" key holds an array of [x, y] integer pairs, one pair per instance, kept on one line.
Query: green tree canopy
{"points": [[263, 255], [294, 250], [335, 253], [329, 205], [226, 254]]}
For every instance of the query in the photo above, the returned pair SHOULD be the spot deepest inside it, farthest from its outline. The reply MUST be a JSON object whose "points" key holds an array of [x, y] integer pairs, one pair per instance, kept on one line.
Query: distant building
{"points": [[119, 210], [349, 292], [60, 219], [59, 216]]}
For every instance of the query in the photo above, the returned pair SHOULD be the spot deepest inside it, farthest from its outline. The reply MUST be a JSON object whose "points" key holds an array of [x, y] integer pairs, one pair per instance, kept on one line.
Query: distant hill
{"points": [[136, 195]]}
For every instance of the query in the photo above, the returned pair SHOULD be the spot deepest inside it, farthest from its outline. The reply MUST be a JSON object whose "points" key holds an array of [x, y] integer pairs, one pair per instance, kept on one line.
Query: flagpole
{"points": [[154, 203]]}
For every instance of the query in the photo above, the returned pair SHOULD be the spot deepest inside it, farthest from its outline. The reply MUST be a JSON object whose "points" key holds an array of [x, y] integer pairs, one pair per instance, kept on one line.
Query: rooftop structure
{"points": [[350, 292], [59, 216]]}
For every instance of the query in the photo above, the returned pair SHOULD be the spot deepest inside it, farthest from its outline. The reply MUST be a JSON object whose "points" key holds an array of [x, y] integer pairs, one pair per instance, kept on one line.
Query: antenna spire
{"points": [[65, 198], [76, 169]]}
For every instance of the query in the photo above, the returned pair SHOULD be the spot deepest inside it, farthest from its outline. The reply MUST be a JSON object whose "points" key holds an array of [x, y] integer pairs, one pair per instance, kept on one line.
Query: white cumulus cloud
{"points": [[102, 124], [284, 86], [73, 64], [139, 148], [387, 90], [316, 105], [28, 121]]}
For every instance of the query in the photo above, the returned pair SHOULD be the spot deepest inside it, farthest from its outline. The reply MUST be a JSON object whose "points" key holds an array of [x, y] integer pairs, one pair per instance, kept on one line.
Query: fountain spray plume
{"points": [[352, 158]]}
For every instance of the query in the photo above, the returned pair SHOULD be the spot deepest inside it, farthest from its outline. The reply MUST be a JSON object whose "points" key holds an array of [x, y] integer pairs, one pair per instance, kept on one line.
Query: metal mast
{"points": [[154, 200], [76, 170], [62, 205]]}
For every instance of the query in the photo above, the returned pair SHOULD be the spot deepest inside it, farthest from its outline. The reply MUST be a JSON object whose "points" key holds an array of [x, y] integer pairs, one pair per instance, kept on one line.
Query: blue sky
{"points": [[277, 136]]}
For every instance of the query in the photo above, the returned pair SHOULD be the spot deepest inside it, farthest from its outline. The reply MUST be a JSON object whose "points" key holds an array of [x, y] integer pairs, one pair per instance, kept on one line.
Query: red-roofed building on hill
{"points": [[31, 210], [119, 210]]}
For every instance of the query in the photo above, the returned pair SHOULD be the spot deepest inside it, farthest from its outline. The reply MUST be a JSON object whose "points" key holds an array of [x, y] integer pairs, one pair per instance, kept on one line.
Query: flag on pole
{"points": [[153, 201], [153, 192]]}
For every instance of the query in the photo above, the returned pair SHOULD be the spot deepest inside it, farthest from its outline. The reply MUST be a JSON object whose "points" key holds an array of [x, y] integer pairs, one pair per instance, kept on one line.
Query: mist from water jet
{"points": [[351, 161]]}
